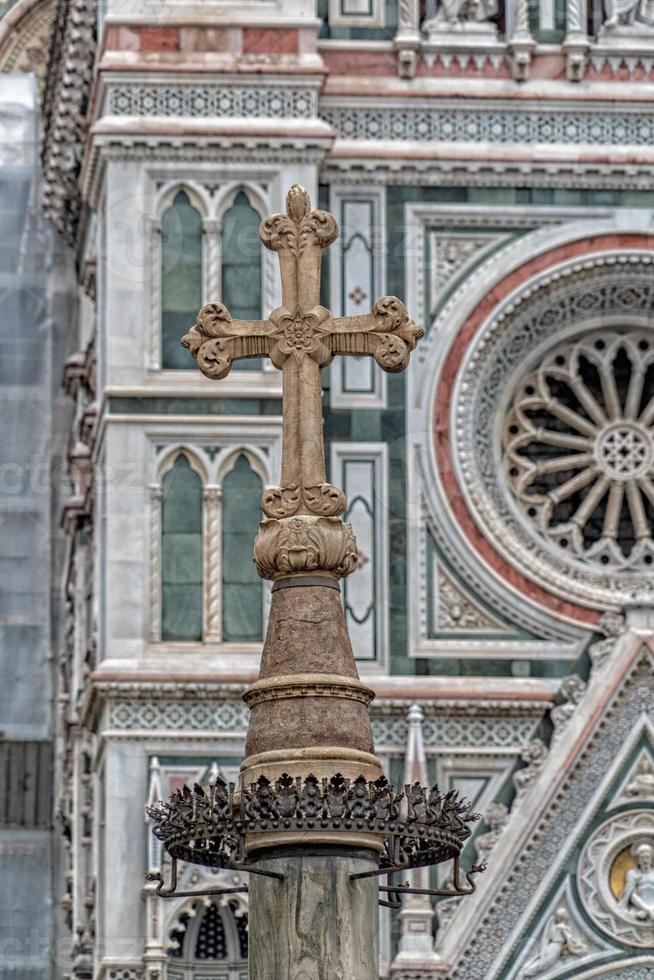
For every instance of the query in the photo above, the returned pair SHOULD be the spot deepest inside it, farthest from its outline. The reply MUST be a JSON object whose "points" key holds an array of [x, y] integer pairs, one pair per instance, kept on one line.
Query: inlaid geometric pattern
{"points": [[211, 100], [531, 124], [222, 716], [450, 731], [459, 732]]}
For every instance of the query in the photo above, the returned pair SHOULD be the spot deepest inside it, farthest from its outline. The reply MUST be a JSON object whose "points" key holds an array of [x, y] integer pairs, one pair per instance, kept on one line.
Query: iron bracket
{"points": [[171, 890]]}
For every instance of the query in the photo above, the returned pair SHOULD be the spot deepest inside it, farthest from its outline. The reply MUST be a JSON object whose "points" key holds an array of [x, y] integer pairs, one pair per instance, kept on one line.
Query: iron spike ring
{"points": [[420, 826]]}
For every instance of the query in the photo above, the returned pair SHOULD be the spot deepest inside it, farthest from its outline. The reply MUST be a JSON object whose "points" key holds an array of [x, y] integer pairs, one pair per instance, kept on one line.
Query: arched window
{"points": [[181, 546], [181, 278], [241, 266], [242, 587], [217, 935]]}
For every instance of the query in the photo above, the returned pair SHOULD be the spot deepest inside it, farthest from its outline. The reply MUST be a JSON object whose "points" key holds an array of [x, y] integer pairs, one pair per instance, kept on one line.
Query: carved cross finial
{"points": [[300, 337]]}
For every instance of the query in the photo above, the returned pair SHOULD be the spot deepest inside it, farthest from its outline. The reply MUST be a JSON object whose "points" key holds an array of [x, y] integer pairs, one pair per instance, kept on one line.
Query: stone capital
{"points": [[302, 544]]}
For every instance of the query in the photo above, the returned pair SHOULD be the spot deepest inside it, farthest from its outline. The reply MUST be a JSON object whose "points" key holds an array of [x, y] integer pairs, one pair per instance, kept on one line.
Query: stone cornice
{"points": [[411, 168], [268, 141], [459, 696], [467, 689], [605, 93]]}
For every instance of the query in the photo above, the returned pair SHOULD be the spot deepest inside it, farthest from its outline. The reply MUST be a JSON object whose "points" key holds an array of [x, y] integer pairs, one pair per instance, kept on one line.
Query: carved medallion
{"points": [[616, 878]]}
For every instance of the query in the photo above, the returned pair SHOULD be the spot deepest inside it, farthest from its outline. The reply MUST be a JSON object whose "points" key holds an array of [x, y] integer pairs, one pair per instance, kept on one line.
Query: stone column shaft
{"points": [[316, 924]]}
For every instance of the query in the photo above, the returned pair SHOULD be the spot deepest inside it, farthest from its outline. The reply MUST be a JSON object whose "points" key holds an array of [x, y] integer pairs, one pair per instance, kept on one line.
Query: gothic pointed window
{"points": [[242, 587], [181, 565], [241, 266], [181, 278]]}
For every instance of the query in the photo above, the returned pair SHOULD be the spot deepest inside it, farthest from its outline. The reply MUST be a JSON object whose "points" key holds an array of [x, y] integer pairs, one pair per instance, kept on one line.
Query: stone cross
{"points": [[301, 337]]}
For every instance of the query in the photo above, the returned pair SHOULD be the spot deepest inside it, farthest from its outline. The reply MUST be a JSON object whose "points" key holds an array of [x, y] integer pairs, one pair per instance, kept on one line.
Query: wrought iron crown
{"points": [[418, 827]]}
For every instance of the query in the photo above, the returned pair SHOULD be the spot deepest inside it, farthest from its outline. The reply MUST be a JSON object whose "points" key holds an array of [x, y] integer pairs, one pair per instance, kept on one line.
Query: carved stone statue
{"points": [[558, 941], [612, 625], [629, 13], [534, 754], [638, 893], [641, 784], [572, 691], [497, 817], [461, 14]]}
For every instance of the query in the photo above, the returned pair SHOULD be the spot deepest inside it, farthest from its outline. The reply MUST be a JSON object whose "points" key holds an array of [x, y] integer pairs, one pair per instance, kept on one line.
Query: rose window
{"points": [[578, 445]]}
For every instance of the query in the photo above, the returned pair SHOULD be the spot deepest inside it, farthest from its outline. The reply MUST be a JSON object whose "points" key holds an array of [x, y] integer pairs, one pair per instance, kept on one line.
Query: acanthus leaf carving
{"points": [[305, 544]]}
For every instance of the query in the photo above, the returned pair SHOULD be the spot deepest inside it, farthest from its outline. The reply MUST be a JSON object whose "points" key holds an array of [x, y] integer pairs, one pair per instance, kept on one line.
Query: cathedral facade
{"points": [[490, 162]]}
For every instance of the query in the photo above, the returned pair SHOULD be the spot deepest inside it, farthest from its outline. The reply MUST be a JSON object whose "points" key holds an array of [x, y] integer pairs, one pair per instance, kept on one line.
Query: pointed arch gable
{"points": [[553, 818], [256, 459], [166, 461], [196, 194], [228, 194]]}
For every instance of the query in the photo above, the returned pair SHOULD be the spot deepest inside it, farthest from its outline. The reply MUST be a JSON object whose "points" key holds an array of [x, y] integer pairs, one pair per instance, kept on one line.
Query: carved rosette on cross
{"points": [[302, 532]]}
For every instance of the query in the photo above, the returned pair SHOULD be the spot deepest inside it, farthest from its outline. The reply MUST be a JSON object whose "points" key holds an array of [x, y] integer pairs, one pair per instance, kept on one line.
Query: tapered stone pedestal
{"points": [[309, 710], [316, 924]]}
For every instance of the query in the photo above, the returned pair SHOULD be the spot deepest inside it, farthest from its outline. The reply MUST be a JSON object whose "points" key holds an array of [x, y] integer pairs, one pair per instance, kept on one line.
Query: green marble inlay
{"points": [[242, 587], [241, 267], [181, 278], [147, 405], [181, 565], [385, 33]]}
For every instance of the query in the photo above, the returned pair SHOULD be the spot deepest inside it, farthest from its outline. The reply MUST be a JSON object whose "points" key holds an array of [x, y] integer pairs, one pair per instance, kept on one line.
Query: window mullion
{"points": [[212, 547]]}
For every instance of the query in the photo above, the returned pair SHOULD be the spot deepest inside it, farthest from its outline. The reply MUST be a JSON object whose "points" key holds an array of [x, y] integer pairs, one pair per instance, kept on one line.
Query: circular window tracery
{"points": [[578, 445]]}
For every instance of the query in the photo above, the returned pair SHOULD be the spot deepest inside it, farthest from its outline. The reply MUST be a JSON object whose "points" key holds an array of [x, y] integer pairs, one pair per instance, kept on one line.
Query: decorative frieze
{"points": [[532, 124], [214, 712], [503, 923], [72, 56], [210, 100], [136, 715], [459, 731]]}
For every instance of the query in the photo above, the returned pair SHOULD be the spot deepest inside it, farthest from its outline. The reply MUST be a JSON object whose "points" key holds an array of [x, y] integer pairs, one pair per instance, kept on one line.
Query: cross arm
{"points": [[388, 334], [216, 340]]}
